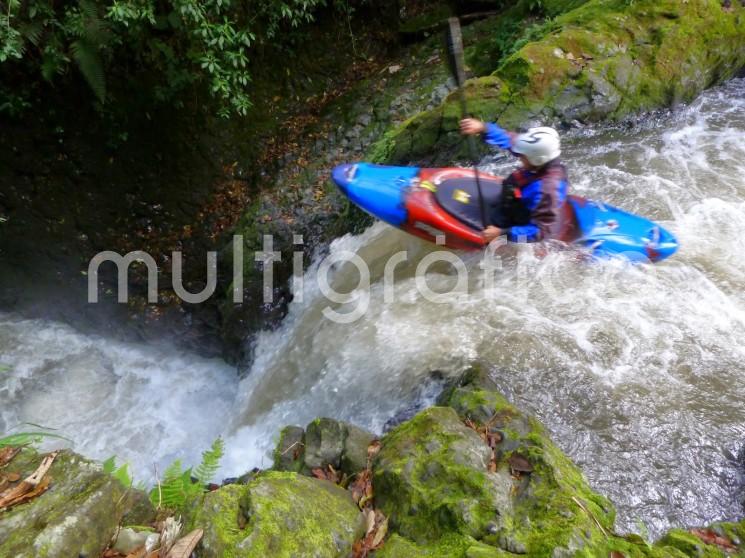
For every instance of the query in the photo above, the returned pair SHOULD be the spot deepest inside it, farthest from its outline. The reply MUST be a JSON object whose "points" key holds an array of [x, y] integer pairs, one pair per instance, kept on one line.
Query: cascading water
{"points": [[637, 370]]}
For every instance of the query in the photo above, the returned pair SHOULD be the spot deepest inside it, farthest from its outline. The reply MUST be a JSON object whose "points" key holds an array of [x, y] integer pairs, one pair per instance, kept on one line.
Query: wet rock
{"points": [[605, 97], [324, 443], [129, 539], [356, 442], [289, 454], [77, 516], [279, 514], [572, 103], [140, 509]]}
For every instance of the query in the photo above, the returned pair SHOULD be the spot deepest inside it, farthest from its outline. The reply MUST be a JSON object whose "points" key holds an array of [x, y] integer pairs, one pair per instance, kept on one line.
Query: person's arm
{"points": [[493, 134]]}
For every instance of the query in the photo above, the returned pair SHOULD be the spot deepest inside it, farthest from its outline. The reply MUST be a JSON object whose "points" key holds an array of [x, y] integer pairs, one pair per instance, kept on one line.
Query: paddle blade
{"points": [[454, 41]]}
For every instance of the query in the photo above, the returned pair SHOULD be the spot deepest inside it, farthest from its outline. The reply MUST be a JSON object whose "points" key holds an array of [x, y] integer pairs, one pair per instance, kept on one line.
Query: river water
{"points": [[638, 371]]}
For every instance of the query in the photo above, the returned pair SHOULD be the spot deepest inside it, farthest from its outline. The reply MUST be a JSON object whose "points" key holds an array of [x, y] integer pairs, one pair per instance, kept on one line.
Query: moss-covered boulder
{"points": [[480, 479], [278, 514], [604, 59], [77, 516], [431, 477]]}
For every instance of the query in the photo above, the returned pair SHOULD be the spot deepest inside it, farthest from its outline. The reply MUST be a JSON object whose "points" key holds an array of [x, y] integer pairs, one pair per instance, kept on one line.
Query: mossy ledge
{"points": [[471, 477], [603, 60]]}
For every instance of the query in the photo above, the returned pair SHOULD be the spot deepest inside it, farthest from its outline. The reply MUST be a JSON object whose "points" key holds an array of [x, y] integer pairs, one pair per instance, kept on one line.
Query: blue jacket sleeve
{"points": [[494, 135]]}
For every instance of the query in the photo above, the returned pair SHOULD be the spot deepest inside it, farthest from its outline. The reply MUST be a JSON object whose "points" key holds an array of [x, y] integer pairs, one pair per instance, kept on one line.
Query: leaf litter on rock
{"points": [[376, 523], [30, 487]]}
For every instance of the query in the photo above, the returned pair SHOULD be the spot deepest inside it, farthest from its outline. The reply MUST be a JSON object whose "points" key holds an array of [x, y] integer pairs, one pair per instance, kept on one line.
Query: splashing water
{"points": [[637, 370]]}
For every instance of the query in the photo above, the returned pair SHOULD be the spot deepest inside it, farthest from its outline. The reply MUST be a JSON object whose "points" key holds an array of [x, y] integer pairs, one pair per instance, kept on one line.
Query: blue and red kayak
{"points": [[431, 202]]}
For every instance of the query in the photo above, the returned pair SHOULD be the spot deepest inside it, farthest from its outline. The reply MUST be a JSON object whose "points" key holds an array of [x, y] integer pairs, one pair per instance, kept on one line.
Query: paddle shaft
{"points": [[455, 52]]}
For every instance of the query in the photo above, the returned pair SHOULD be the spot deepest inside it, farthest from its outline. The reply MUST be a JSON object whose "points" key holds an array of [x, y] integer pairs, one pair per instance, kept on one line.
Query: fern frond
{"points": [[96, 29], [207, 469], [50, 66], [177, 488], [88, 9], [121, 473], [32, 32], [90, 65]]}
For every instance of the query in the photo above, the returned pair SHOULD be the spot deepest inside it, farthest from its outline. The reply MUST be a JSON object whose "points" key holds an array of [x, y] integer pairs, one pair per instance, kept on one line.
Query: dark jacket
{"points": [[531, 199]]}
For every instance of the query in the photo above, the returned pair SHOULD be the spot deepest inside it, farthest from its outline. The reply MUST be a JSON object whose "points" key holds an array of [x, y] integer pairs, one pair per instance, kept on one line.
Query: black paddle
{"points": [[455, 57]]}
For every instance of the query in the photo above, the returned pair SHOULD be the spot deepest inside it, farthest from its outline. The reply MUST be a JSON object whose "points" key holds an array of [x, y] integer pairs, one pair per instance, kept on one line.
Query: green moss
{"points": [[449, 546], [437, 13], [431, 478], [688, 545], [283, 515], [601, 59], [289, 452]]}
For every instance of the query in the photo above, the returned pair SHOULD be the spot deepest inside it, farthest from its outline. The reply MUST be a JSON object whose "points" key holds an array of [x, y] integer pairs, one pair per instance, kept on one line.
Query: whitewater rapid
{"points": [[637, 370]]}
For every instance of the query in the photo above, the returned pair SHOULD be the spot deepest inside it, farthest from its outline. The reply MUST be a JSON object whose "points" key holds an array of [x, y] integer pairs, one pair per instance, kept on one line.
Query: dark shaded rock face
{"points": [[71, 189], [76, 517]]}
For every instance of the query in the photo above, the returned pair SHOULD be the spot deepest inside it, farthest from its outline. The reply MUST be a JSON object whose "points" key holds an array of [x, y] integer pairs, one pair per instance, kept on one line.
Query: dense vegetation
{"points": [[166, 47]]}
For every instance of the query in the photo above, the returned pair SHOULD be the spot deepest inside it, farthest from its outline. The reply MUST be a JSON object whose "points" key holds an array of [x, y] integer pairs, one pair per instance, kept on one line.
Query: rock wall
{"points": [[603, 60]]}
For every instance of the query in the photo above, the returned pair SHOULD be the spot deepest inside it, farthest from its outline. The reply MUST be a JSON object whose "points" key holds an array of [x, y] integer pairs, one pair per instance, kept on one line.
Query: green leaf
{"points": [[90, 65], [207, 469], [121, 473]]}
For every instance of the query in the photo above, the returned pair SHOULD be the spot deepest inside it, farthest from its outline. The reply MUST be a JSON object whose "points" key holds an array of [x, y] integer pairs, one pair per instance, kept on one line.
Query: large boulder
{"points": [[76, 517], [596, 60], [279, 514], [432, 477], [480, 479]]}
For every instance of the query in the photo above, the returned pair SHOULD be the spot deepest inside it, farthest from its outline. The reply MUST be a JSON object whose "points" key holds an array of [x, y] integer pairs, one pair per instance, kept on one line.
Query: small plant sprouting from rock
{"points": [[179, 486], [120, 473]]}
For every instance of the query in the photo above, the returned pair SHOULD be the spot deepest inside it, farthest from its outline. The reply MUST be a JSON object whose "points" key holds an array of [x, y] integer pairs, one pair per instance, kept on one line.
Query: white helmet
{"points": [[538, 145]]}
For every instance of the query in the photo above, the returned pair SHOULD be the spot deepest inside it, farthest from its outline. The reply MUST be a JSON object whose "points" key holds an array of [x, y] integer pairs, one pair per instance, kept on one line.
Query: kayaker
{"points": [[532, 196]]}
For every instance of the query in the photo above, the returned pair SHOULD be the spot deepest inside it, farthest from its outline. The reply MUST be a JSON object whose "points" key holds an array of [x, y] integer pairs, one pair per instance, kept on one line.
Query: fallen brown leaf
{"points": [[370, 521], [319, 474], [372, 450], [138, 552], [519, 464], [377, 528], [186, 545], [710, 537], [362, 486], [7, 454], [380, 533]]}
